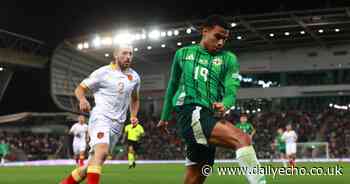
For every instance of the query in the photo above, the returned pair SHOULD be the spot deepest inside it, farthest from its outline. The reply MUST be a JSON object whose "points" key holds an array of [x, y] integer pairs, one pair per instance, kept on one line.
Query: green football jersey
{"points": [[245, 127], [281, 145], [4, 149], [200, 77]]}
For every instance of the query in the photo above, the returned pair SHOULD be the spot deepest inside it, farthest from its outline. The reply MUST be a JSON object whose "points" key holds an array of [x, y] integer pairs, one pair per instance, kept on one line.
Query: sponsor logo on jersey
{"points": [[190, 57]]}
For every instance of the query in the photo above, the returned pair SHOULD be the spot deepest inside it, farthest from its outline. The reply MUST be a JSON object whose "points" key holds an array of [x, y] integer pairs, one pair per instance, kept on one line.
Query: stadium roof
{"points": [[31, 117], [320, 27], [20, 50]]}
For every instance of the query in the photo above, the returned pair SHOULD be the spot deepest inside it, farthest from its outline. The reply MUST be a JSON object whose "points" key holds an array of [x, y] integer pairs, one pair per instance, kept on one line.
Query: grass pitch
{"points": [[160, 174]]}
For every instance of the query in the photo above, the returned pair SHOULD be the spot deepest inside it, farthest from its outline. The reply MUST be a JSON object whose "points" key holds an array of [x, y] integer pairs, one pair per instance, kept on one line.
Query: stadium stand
{"points": [[33, 146], [330, 126], [68, 68]]}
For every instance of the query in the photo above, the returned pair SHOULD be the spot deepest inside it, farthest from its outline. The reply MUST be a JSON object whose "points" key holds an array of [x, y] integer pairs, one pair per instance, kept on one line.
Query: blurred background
{"points": [[294, 57]]}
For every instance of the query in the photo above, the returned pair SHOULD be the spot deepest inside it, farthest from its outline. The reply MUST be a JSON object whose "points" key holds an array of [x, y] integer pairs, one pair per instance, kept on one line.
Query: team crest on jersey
{"points": [[190, 57], [217, 61], [130, 77], [100, 135]]}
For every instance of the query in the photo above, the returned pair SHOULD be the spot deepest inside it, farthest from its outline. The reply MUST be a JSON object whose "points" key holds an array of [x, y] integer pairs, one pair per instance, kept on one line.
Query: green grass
{"points": [[158, 173]]}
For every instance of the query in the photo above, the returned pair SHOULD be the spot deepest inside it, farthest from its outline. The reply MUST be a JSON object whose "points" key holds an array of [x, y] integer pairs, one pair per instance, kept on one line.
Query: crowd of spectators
{"points": [[332, 126], [158, 146], [31, 146]]}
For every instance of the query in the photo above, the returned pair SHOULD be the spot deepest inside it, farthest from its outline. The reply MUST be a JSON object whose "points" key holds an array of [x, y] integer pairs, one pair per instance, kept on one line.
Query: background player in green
{"points": [[280, 146], [4, 150], [246, 126], [203, 83]]}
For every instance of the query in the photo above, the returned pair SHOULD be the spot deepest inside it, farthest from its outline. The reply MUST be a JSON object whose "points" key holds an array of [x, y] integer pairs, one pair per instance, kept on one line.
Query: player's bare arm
{"points": [[134, 105], [80, 93], [163, 126], [70, 132]]}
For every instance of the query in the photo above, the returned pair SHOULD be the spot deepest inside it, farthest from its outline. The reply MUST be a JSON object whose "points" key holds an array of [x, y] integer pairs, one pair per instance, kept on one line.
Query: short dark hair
{"points": [[244, 115], [215, 20]]}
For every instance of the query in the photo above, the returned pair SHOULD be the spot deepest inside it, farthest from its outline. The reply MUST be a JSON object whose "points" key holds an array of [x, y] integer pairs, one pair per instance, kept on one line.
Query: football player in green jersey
{"points": [[4, 151], [203, 83], [280, 146], [246, 126]]}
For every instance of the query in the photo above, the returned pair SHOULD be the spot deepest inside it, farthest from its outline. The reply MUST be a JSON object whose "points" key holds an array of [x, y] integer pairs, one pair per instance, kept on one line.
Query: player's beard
{"points": [[123, 66]]}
